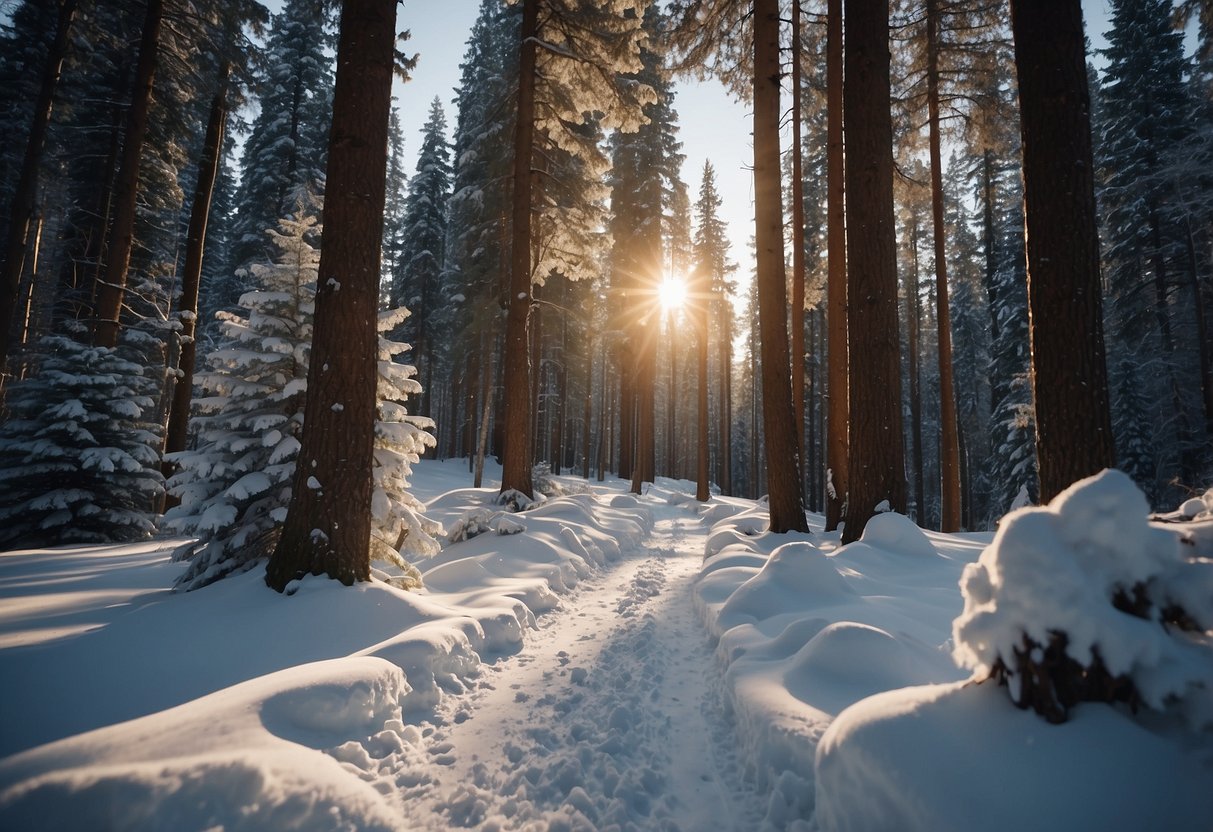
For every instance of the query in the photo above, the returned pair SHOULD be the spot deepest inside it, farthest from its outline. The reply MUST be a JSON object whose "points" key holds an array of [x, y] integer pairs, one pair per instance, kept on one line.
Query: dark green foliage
{"points": [[79, 451]]}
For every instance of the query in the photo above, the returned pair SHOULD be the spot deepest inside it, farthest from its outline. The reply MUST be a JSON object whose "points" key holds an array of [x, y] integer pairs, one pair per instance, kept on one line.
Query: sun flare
{"points": [[672, 293]]}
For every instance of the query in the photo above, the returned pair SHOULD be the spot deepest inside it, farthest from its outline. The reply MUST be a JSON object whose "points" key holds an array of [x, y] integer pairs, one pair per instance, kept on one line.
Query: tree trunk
{"points": [[108, 308], [913, 325], [486, 409], [642, 471], [516, 452], [671, 451], [836, 289], [328, 524], [22, 206], [797, 322], [1069, 375], [700, 311], [877, 463], [587, 416], [949, 442], [726, 398], [987, 224], [782, 445], [1202, 337], [191, 277]]}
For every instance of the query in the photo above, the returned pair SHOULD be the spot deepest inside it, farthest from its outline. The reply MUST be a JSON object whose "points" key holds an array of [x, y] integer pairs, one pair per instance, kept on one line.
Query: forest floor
{"points": [[611, 714]]}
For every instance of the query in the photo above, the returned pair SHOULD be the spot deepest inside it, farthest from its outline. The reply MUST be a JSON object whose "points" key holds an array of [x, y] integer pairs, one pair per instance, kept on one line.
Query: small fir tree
{"points": [[236, 484], [79, 454]]}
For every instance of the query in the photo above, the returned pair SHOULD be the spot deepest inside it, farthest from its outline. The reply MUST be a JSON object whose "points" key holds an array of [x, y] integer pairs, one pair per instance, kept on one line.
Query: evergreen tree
{"points": [[423, 253], [393, 210], [80, 448], [713, 269], [1145, 116], [235, 485], [286, 151]]}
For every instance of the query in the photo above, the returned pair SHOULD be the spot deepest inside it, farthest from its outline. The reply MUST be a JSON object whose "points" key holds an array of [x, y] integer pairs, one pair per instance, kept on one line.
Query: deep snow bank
{"points": [[807, 628], [1091, 577], [855, 707], [234, 706]]}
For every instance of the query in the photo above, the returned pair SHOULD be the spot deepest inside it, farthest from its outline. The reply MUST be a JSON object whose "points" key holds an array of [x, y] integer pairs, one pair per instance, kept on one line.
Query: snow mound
{"points": [[847, 661], [897, 533], [954, 758], [266, 769], [796, 576], [1090, 577]]}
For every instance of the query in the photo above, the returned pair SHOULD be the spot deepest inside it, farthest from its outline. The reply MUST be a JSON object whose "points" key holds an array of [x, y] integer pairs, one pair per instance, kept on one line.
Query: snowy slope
{"points": [[600, 661]]}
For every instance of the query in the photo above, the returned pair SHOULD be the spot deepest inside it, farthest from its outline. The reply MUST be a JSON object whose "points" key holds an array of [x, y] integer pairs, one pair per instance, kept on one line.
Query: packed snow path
{"points": [[610, 717]]}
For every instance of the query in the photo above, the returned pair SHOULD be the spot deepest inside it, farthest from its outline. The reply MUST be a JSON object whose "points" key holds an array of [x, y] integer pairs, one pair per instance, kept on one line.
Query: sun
{"points": [[672, 293]]}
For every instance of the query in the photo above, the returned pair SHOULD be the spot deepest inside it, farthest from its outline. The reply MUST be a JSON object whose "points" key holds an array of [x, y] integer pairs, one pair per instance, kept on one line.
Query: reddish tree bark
{"points": [[516, 447], [949, 439], [782, 446], [836, 288], [1069, 373], [328, 524], [876, 448]]}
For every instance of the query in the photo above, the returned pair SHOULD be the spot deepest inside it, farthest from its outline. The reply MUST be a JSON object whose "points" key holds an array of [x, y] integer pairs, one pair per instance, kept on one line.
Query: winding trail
{"points": [[610, 717]]}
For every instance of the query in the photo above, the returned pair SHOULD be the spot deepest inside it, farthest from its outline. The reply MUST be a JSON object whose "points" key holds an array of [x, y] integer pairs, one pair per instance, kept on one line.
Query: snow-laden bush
{"points": [[235, 485], [482, 521], [1084, 600], [79, 452]]}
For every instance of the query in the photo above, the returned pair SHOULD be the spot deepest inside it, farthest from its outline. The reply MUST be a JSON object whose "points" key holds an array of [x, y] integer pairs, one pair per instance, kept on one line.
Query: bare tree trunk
{"points": [[782, 444], [987, 224], [877, 456], [328, 525], [797, 323], [486, 409], [725, 406], [700, 311], [191, 277], [516, 452], [836, 288], [1202, 336], [108, 308], [22, 207], [587, 416], [1069, 374], [913, 325], [949, 442], [671, 451]]}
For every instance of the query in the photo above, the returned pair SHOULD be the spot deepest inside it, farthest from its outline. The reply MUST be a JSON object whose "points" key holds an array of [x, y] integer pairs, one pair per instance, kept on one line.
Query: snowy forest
{"points": [[145, 248], [241, 326]]}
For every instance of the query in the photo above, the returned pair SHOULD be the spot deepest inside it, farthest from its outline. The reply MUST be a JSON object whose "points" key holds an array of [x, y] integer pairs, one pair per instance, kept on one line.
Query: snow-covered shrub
{"points": [[472, 524], [79, 452], [482, 521], [235, 485], [1084, 600], [514, 500]]}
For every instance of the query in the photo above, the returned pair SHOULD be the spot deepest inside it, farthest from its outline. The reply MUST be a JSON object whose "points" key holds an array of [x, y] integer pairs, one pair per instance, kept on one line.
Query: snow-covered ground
{"points": [[601, 661]]}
